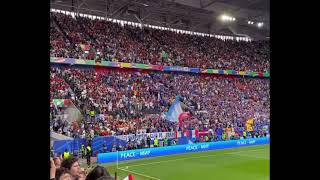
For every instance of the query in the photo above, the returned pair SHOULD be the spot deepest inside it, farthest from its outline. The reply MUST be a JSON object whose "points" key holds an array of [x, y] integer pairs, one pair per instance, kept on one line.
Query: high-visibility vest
{"points": [[91, 113], [155, 142], [206, 138], [224, 136], [244, 133], [66, 155], [165, 142], [88, 149]]}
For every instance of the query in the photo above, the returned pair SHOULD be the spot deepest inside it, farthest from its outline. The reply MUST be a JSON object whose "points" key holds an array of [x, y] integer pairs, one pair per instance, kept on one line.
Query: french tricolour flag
{"points": [[176, 114], [188, 133], [195, 133], [178, 134]]}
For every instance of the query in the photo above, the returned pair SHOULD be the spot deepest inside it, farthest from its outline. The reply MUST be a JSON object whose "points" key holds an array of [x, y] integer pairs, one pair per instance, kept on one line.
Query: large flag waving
{"points": [[249, 124], [176, 113]]}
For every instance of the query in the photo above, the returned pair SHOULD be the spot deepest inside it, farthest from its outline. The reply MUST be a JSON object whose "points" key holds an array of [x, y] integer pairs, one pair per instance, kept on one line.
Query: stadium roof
{"points": [[194, 15]]}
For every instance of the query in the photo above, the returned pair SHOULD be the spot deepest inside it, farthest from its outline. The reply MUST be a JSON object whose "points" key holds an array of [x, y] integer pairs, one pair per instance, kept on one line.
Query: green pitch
{"points": [[245, 163]]}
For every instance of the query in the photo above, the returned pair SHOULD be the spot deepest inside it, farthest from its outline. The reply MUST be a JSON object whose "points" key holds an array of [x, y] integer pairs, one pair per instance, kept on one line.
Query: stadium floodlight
{"points": [[260, 24], [224, 18], [227, 18]]}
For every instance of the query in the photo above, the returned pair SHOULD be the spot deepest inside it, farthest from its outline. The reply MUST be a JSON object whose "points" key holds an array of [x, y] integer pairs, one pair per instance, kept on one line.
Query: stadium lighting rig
{"points": [[227, 18], [260, 24]]}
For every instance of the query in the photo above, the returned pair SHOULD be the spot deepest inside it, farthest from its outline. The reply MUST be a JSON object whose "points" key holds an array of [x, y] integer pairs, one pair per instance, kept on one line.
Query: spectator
{"points": [[72, 165], [97, 172], [57, 162], [52, 169], [63, 174], [82, 175], [105, 178]]}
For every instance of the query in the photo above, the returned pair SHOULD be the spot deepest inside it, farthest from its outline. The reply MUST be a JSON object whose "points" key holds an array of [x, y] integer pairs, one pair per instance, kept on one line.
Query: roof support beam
{"points": [[108, 9], [116, 12], [81, 4], [145, 17], [204, 6], [139, 20]]}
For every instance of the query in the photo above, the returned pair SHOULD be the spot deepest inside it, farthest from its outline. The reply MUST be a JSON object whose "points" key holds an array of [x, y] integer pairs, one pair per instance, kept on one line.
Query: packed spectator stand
{"points": [[84, 38], [135, 102]]}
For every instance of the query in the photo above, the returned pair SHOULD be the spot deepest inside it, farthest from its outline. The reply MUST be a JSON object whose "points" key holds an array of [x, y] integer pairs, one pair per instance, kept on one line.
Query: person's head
{"points": [[72, 165], [66, 150], [97, 172], [66, 176], [63, 174], [105, 178], [82, 175], [57, 162]]}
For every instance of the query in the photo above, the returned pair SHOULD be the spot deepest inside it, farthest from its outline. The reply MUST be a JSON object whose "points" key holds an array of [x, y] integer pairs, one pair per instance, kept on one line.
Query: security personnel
{"points": [[156, 142], [82, 151], [148, 141], [244, 134], [224, 136], [165, 142], [173, 142], [66, 154], [88, 154], [206, 138], [104, 148]]}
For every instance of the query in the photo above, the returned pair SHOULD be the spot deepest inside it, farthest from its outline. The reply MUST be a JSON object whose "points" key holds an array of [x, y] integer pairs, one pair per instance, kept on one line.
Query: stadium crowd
{"points": [[123, 102], [84, 38], [117, 102]]}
